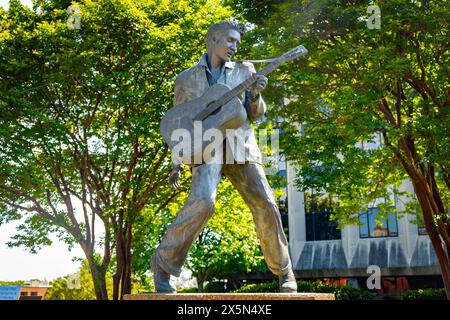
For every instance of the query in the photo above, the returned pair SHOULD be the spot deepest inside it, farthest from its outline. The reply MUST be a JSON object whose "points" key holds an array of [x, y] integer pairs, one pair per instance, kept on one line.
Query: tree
{"points": [[80, 119], [358, 83], [78, 286], [12, 283]]}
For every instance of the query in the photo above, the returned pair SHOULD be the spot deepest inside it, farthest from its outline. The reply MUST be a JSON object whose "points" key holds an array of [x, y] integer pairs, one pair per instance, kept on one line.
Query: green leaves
{"points": [[34, 234], [359, 93], [77, 286], [80, 111]]}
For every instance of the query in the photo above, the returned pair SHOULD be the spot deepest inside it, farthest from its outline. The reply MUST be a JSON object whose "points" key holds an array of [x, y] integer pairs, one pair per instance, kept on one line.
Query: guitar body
{"points": [[218, 108], [189, 139]]}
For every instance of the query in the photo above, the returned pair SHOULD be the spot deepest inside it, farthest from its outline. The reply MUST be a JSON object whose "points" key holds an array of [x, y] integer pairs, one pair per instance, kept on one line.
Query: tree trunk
{"points": [[122, 277], [126, 275], [443, 262], [436, 235], [119, 262], [98, 278], [201, 277]]}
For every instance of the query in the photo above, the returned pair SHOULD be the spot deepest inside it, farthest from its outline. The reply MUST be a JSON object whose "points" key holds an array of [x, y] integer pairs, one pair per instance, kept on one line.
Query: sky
{"points": [[49, 263]]}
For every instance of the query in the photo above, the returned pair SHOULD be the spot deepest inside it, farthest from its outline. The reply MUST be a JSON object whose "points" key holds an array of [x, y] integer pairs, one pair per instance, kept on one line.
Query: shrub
{"points": [[351, 293], [216, 286], [340, 292], [258, 287], [424, 294], [187, 290]]}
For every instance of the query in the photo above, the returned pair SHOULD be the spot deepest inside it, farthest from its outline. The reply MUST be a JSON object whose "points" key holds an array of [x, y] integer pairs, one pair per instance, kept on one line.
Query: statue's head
{"points": [[223, 39]]}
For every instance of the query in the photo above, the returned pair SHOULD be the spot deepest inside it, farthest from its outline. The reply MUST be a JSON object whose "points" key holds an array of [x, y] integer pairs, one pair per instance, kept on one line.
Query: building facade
{"points": [[399, 248]]}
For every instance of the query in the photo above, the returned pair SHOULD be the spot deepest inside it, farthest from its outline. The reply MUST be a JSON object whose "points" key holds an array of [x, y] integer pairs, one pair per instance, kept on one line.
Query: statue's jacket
{"points": [[193, 83]]}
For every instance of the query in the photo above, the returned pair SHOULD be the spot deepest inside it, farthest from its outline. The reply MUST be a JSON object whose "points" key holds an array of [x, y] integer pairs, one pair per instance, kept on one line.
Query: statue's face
{"points": [[226, 46]]}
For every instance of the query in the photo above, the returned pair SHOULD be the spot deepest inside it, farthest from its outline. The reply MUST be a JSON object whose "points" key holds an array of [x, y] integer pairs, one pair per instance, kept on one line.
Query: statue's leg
{"points": [[190, 220], [251, 182]]}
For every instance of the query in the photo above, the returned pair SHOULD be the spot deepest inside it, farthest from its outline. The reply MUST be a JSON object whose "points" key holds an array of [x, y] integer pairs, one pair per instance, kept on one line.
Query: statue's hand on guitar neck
{"points": [[174, 176], [260, 85], [183, 115]]}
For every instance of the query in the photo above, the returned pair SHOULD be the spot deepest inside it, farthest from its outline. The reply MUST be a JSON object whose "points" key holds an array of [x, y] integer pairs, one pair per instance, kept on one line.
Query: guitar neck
{"points": [[241, 88], [249, 82]]}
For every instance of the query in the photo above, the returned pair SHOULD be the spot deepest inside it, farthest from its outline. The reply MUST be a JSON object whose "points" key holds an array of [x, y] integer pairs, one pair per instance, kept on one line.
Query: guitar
{"points": [[218, 108]]}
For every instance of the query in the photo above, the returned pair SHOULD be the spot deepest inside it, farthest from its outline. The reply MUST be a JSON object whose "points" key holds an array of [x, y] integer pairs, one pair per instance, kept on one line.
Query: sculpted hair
{"points": [[221, 27]]}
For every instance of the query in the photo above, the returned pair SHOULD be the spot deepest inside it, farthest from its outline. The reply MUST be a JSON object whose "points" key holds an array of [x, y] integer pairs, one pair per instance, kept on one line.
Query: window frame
{"points": [[314, 217], [367, 224]]}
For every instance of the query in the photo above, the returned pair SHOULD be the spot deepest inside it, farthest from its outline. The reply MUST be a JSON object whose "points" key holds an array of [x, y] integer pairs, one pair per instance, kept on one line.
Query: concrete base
{"points": [[231, 296]]}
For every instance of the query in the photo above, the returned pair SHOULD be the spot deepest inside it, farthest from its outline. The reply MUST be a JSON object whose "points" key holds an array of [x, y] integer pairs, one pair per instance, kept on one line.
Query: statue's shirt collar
{"points": [[204, 62]]}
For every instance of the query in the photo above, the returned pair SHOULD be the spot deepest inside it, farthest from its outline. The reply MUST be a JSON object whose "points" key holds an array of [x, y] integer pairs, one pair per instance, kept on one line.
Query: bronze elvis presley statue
{"points": [[248, 177]]}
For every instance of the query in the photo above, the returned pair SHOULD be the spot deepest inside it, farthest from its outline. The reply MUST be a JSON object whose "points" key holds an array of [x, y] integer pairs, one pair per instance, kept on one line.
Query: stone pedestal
{"points": [[231, 296]]}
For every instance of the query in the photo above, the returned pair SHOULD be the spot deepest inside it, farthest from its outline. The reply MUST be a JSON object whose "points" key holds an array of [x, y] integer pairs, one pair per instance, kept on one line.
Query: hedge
{"points": [[424, 294], [340, 292]]}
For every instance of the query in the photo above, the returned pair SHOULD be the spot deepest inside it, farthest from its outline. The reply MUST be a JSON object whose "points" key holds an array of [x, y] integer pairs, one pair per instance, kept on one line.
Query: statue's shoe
{"points": [[288, 284], [161, 278]]}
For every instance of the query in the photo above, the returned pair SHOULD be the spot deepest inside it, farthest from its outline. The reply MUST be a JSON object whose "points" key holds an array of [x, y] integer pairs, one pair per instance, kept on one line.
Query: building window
{"points": [[24, 293], [317, 217], [319, 227], [371, 228], [422, 230], [33, 294]]}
